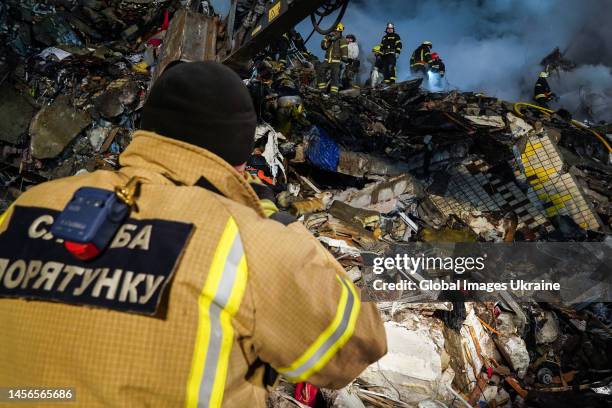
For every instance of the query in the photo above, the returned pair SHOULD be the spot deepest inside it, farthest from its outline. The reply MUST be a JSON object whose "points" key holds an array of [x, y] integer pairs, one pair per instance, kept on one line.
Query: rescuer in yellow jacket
{"points": [[336, 52], [199, 299]]}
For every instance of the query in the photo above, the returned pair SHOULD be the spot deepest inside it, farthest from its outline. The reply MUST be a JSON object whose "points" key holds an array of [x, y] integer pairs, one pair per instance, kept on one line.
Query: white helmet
{"points": [[390, 26], [543, 74]]}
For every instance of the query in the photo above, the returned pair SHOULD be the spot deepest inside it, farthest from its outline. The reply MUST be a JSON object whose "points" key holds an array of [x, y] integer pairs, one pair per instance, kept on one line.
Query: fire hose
{"points": [[329, 7], [549, 112]]}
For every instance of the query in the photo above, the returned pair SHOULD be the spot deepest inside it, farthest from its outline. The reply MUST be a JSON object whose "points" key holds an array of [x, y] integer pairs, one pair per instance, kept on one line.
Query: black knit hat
{"points": [[204, 104]]}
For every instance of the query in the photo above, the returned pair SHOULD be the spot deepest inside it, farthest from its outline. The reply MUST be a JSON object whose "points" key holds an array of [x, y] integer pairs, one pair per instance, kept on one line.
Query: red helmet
{"points": [[434, 55]]}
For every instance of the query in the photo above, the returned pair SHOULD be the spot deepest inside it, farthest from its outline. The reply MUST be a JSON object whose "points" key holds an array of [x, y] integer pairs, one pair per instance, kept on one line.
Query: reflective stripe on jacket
{"points": [[438, 66], [420, 56], [391, 43], [542, 90], [247, 293], [336, 49]]}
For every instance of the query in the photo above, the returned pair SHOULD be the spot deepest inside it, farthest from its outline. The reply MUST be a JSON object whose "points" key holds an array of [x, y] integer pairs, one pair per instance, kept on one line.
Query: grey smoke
{"points": [[495, 46]]}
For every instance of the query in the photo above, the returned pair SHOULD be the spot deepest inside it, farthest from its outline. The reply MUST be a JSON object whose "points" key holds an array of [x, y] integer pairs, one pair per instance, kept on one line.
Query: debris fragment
{"points": [[54, 126]]}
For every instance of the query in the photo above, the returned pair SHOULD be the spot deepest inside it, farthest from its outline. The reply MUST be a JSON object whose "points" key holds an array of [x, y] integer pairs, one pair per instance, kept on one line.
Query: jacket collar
{"points": [[167, 161]]}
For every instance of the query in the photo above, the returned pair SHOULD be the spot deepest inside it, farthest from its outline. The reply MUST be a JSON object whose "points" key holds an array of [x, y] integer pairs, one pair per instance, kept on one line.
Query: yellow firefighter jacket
{"points": [[336, 49], [247, 294]]}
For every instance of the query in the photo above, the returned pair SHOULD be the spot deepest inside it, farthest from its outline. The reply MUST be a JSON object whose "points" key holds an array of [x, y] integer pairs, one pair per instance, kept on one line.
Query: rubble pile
{"points": [[370, 170], [504, 171], [366, 171], [73, 75]]}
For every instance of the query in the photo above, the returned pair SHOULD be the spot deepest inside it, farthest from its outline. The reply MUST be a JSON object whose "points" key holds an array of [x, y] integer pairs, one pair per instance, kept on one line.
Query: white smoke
{"points": [[495, 46]]}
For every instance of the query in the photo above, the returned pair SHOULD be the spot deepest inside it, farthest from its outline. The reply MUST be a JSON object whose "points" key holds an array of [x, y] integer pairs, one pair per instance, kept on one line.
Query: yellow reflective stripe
{"points": [[331, 340], [4, 215], [538, 96], [228, 331], [218, 302]]}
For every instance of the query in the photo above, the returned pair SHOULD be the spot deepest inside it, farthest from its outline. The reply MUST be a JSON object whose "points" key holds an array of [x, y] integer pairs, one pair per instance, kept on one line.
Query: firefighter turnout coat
{"points": [[336, 49], [542, 92], [420, 57], [391, 43], [438, 67], [198, 300]]}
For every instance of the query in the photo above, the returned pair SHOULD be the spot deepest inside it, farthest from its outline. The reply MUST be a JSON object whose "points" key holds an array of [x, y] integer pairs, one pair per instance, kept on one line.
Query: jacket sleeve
{"points": [[398, 44], [426, 55], [325, 43], [310, 324]]}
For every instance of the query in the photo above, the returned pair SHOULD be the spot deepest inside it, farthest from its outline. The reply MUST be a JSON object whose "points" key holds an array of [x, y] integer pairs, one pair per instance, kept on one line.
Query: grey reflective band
{"points": [[219, 303], [346, 316]]}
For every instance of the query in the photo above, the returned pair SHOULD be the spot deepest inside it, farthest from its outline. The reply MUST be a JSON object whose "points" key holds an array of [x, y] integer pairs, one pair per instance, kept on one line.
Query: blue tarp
{"points": [[322, 151]]}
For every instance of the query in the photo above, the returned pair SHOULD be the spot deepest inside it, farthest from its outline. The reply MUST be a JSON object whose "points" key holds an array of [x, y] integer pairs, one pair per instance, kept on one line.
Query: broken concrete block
{"points": [[119, 94], [381, 197], [489, 394], [15, 115], [514, 351], [54, 127], [549, 331], [347, 398], [518, 126], [97, 137], [340, 246], [361, 164], [354, 273], [413, 363], [485, 228], [489, 121]]}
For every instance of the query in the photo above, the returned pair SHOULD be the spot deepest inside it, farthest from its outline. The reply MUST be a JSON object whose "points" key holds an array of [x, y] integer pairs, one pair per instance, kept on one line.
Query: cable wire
{"points": [[327, 9], [549, 112]]}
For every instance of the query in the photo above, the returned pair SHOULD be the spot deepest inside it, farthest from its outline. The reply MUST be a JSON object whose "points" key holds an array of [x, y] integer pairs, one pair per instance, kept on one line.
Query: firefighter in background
{"points": [[437, 65], [390, 49], [351, 70], [336, 52], [377, 68], [281, 49], [437, 70], [542, 93], [420, 58]]}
